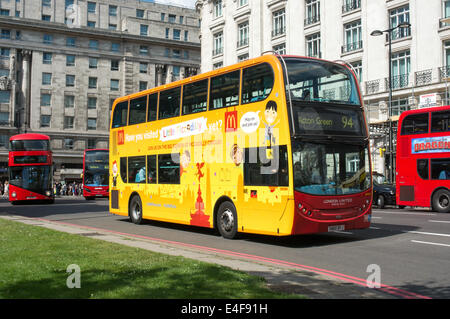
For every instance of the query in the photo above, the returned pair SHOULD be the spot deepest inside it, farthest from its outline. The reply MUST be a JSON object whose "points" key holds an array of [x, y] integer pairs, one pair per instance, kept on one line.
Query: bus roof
{"points": [[263, 58], [424, 110], [29, 136]]}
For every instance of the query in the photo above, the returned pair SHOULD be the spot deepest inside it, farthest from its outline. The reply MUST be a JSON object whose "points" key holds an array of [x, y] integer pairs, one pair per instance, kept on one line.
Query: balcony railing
{"points": [[351, 5], [217, 51], [349, 47], [398, 81], [372, 86], [424, 77], [242, 42], [312, 19], [398, 34], [444, 73], [421, 78], [278, 31]]}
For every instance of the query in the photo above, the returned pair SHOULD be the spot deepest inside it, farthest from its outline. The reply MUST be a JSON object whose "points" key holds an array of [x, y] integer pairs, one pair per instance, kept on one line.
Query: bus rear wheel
{"points": [[135, 210], [227, 220], [441, 201]]}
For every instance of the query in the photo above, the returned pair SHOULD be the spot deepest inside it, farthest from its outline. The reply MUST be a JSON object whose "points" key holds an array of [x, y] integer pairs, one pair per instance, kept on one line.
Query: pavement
{"points": [[279, 277]]}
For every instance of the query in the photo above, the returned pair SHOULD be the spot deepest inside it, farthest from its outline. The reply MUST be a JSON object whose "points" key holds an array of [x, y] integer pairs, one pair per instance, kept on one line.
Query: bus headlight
{"points": [[13, 194], [48, 193]]}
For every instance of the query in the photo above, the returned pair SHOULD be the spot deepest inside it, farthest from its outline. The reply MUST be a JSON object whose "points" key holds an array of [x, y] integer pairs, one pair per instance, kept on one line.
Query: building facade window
{"points": [[92, 124], [114, 85], [47, 58], [144, 30], [218, 43], [92, 82], [401, 67], [357, 68], [176, 34], [242, 3], [112, 11], [48, 39], [217, 8], [70, 80], [399, 106], [93, 62], [68, 123], [46, 99], [70, 60], [352, 36], [280, 48], [45, 120], [350, 5], [279, 23], [68, 142], [92, 102], [46, 78], [114, 65], [312, 12], [243, 29], [92, 7], [313, 45], [69, 101], [397, 16]]}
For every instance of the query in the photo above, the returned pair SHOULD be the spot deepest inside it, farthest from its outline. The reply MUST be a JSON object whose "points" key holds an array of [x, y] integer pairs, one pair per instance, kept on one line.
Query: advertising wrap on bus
{"points": [[438, 144]]}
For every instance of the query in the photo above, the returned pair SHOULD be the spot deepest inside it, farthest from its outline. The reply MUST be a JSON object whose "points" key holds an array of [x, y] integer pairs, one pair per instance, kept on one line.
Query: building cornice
{"points": [[54, 27]]}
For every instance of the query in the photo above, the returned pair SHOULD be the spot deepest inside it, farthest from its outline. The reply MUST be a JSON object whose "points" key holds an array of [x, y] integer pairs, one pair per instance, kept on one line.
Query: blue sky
{"points": [[182, 3]]}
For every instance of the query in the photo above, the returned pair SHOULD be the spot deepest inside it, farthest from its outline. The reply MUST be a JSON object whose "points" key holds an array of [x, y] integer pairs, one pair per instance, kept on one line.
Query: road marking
{"points": [[431, 234], [406, 213], [429, 243], [375, 217], [438, 221], [359, 281], [372, 227]]}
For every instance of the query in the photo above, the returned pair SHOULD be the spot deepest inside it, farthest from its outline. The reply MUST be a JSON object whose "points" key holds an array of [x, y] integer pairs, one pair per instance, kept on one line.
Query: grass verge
{"points": [[34, 261]]}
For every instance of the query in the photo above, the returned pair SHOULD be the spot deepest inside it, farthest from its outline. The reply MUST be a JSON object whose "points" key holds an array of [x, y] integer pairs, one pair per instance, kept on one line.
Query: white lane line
{"points": [[376, 217], [405, 213], [438, 221], [372, 227], [431, 234], [429, 243]]}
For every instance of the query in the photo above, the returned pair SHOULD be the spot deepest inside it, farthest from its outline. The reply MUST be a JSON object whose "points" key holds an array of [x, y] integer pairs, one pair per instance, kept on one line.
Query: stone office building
{"points": [[63, 62]]}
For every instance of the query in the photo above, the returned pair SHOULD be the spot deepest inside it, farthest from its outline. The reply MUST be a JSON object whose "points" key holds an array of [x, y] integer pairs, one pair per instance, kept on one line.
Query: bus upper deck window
{"points": [[257, 83], [120, 114]]}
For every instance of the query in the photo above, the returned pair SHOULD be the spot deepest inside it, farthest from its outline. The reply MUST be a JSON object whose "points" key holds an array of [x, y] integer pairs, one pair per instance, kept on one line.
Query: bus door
{"points": [[266, 184]]}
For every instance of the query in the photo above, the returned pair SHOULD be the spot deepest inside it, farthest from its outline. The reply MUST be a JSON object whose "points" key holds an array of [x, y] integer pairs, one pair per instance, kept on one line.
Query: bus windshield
{"points": [[96, 169], [330, 168], [29, 145], [33, 178], [320, 81]]}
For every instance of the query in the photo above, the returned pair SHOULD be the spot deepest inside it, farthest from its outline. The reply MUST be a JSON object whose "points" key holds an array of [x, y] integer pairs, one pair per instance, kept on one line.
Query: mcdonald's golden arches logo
{"points": [[231, 121]]}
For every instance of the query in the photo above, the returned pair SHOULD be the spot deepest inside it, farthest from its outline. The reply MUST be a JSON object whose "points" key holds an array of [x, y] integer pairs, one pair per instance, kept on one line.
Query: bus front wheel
{"points": [[135, 210], [441, 201], [227, 220]]}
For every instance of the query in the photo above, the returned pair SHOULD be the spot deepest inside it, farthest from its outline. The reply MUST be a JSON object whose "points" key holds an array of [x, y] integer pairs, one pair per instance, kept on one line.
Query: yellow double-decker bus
{"points": [[273, 145]]}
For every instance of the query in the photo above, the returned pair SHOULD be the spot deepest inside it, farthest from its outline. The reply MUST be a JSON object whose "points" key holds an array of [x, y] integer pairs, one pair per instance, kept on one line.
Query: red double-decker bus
{"points": [[95, 173], [423, 158], [30, 167]]}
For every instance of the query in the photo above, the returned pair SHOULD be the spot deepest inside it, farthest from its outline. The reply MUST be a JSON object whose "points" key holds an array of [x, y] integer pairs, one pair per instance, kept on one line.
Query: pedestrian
{"points": [[6, 189]]}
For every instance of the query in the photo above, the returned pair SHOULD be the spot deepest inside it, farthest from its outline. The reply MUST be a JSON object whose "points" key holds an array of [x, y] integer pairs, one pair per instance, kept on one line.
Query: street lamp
{"points": [[402, 25]]}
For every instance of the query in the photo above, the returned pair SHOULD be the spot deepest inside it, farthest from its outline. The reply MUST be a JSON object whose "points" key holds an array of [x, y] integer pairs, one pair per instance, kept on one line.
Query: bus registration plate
{"points": [[336, 228]]}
